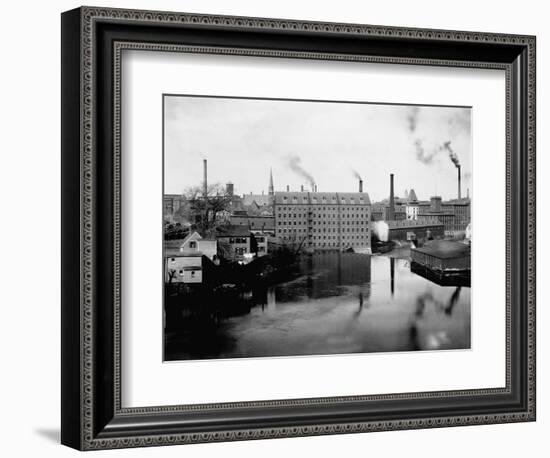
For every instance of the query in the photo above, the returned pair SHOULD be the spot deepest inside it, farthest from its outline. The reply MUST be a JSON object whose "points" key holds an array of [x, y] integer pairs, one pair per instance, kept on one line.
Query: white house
{"points": [[194, 244], [183, 269]]}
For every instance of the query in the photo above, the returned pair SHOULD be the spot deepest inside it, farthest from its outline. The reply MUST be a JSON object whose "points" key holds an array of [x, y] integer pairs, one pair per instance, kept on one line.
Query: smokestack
{"points": [[458, 169], [229, 189], [391, 210], [302, 188], [360, 185], [287, 188], [204, 183], [468, 193]]}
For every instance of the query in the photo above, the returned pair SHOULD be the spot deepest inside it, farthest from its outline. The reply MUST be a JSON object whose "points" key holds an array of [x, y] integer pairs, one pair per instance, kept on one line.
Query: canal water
{"points": [[337, 303]]}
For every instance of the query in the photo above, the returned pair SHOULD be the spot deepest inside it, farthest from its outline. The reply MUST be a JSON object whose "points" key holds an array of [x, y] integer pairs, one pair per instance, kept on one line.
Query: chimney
{"points": [[458, 168], [360, 185], [287, 188], [391, 210], [468, 193], [302, 188], [229, 189], [435, 204]]}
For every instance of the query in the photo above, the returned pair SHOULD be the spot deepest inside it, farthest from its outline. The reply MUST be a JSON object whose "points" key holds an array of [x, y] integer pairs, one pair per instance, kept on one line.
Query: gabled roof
{"points": [[191, 236]]}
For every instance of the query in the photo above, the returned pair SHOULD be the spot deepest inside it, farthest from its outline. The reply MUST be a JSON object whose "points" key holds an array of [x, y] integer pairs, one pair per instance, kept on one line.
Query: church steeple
{"points": [[271, 188], [271, 192]]}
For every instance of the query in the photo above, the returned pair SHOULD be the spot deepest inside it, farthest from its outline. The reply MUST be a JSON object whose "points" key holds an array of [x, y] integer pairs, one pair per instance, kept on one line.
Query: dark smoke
{"points": [[426, 156], [459, 122], [294, 162], [452, 154], [356, 174]]}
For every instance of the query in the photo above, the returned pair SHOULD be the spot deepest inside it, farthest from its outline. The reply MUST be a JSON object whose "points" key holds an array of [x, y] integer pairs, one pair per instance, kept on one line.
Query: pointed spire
{"points": [[271, 188]]}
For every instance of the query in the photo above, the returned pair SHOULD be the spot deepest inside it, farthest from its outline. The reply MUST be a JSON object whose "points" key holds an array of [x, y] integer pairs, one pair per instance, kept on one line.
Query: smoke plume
{"points": [[452, 154], [412, 119], [423, 154], [425, 150], [381, 229], [294, 162], [356, 174]]}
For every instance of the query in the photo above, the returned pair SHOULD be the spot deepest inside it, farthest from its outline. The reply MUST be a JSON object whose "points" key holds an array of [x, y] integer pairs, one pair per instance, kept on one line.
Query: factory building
{"points": [[454, 214], [425, 228], [264, 224], [460, 208], [323, 220], [171, 203]]}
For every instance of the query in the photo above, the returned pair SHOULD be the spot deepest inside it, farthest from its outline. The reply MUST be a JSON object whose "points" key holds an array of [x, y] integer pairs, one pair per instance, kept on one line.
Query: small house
{"points": [[194, 244], [237, 239], [183, 269]]}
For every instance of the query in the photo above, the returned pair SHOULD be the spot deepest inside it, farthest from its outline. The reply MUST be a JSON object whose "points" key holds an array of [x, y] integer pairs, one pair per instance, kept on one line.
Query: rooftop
{"points": [[328, 196], [232, 230], [260, 199], [171, 253], [445, 249]]}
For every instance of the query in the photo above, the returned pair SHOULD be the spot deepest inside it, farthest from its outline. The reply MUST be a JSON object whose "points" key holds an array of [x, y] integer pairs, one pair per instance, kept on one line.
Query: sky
{"points": [[332, 142]]}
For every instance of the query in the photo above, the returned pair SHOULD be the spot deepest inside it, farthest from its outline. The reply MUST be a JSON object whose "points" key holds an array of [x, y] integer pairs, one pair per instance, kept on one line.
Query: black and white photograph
{"points": [[310, 227]]}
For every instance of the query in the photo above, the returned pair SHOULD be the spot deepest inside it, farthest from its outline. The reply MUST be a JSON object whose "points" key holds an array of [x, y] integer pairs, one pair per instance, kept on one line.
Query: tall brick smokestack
{"points": [[204, 182], [360, 185], [391, 209], [459, 193]]}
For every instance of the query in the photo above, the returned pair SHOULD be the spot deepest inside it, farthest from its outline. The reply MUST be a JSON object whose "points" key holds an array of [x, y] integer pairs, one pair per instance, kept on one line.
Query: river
{"points": [[338, 303]]}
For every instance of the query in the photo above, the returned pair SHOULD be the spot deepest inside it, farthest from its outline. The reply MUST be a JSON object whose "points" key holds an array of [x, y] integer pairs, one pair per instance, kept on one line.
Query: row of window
{"points": [[336, 208], [331, 237], [237, 240], [325, 229], [323, 200], [322, 223], [323, 215]]}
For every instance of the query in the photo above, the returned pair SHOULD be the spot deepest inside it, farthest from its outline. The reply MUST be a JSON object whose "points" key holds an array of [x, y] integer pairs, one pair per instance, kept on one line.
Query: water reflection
{"points": [[336, 303]]}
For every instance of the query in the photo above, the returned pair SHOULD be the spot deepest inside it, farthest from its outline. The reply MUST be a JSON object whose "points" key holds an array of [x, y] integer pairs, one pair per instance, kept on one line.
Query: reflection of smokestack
{"points": [[458, 169], [392, 275], [204, 183], [391, 210], [360, 185]]}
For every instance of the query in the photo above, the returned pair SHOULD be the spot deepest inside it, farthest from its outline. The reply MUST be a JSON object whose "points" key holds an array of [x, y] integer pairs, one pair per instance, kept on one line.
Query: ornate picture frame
{"points": [[93, 416]]}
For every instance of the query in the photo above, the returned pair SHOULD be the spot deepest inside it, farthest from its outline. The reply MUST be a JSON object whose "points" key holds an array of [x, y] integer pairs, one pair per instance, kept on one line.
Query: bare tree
{"points": [[204, 209], [171, 275]]}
